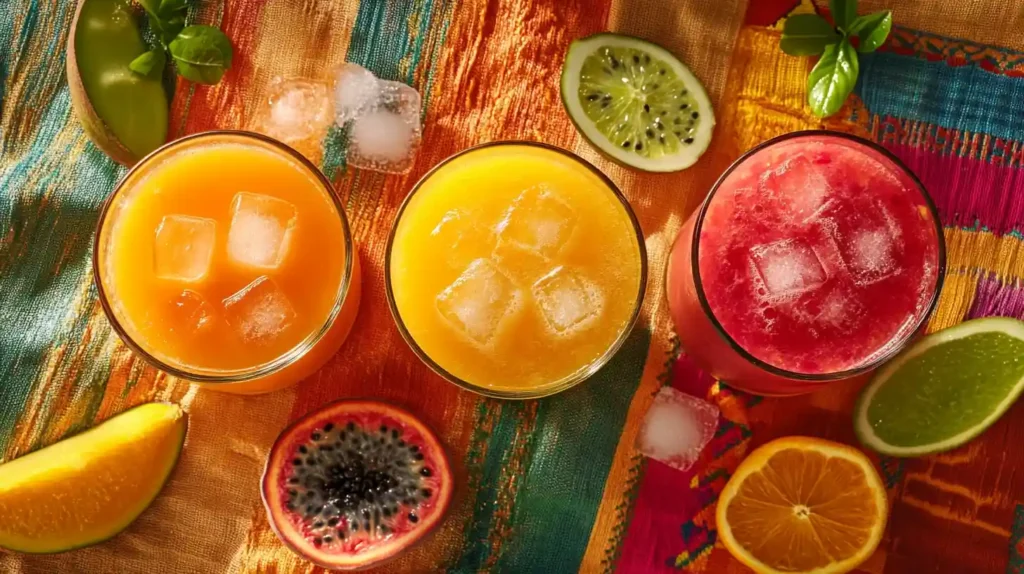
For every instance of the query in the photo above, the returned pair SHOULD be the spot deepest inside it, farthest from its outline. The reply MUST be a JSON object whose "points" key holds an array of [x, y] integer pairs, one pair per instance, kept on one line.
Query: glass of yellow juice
{"points": [[515, 269], [225, 258]]}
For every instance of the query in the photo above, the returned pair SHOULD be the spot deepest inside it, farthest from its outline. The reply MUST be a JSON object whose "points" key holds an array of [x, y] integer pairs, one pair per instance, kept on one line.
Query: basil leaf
{"points": [[872, 30], [151, 6], [167, 29], [169, 7], [844, 12], [202, 54], [832, 78], [149, 63], [807, 35]]}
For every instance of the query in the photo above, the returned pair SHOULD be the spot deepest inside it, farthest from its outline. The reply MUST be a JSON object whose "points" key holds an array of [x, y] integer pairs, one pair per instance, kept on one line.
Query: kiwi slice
{"points": [[636, 102]]}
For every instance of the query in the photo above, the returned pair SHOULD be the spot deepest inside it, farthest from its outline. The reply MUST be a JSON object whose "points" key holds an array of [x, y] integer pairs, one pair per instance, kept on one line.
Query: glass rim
{"points": [[233, 375], [570, 380], [881, 358]]}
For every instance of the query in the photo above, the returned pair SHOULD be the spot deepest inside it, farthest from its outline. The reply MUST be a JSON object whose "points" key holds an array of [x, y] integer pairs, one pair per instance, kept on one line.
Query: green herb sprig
{"points": [[835, 74], [200, 53]]}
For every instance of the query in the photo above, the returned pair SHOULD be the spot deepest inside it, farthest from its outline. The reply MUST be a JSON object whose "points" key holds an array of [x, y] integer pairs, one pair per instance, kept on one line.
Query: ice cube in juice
{"points": [[515, 269], [818, 255], [225, 259]]}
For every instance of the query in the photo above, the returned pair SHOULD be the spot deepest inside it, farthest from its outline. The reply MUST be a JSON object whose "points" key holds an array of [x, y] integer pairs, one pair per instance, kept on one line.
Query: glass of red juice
{"points": [[816, 257]]}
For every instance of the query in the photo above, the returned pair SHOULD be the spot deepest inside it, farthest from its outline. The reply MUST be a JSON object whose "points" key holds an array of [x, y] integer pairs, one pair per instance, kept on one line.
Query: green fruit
{"points": [[123, 113], [636, 102], [944, 390]]}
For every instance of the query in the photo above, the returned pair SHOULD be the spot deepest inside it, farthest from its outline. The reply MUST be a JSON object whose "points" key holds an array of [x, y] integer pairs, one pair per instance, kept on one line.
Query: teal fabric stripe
{"points": [[476, 549], [575, 441], [965, 98], [50, 224], [48, 210], [381, 37], [1015, 564]]}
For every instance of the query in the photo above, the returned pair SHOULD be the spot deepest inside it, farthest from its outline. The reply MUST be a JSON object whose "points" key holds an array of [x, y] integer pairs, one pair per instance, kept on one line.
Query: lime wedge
{"points": [[636, 102], [944, 390]]}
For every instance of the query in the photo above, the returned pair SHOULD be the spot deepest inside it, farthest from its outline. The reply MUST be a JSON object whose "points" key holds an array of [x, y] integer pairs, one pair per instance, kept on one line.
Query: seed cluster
{"points": [[347, 480], [638, 102]]}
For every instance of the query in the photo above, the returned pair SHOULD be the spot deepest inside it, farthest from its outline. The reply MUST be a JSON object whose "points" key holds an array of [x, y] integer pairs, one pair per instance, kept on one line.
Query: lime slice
{"points": [[944, 390], [636, 102]]}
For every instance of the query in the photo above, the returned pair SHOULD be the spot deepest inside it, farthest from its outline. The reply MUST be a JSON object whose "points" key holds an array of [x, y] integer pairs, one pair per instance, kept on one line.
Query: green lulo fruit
{"points": [[123, 113]]}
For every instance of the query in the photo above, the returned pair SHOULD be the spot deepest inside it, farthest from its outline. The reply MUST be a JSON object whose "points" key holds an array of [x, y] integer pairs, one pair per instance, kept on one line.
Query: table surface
{"points": [[553, 485]]}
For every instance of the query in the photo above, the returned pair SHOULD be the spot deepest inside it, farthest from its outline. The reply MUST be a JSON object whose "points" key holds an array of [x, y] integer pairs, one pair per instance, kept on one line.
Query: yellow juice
{"points": [[516, 269], [225, 258]]}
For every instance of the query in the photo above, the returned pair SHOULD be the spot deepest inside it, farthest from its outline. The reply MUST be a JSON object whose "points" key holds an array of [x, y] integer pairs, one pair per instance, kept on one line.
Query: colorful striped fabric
{"points": [[545, 486]]}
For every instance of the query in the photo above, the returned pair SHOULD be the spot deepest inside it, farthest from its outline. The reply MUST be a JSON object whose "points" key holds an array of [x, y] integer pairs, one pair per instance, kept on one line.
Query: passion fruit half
{"points": [[355, 483]]}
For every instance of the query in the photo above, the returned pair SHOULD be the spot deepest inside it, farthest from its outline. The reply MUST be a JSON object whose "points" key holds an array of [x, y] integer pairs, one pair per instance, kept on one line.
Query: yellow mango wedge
{"points": [[87, 488]]}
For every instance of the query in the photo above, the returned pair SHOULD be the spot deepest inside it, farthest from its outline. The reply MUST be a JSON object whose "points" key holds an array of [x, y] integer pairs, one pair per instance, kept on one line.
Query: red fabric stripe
{"points": [[768, 12], [665, 504]]}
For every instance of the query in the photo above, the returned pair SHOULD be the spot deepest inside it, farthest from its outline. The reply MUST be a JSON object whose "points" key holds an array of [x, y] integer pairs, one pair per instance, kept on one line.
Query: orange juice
{"points": [[515, 269], [225, 258]]}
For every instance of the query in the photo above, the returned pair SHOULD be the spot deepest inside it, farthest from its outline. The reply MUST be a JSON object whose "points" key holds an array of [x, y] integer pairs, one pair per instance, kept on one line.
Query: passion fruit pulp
{"points": [[355, 483]]}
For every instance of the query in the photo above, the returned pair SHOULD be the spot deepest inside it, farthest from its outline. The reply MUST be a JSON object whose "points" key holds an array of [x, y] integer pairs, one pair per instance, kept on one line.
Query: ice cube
{"points": [[356, 91], [461, 237], [260, 311], [183, 247], [401, 99], [538, 220], [479, 302], [787, 268], [297, 112], [870, 255], [866, 238], [568, 301], [386, 137], [676, 428], [836, 310], [197, 314], [261, 228], [523, 265], [802, 185]]}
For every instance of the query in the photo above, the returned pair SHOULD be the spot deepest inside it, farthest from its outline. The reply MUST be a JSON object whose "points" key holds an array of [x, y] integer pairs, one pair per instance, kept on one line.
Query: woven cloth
{"points": [[547, 486]]}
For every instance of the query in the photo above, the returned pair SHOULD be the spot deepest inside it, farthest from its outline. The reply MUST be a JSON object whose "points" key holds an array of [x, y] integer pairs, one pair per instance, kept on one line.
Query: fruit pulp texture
{"points": [[191, 324], [817, 255], [397, 484], [805, 508], [545, 240]]}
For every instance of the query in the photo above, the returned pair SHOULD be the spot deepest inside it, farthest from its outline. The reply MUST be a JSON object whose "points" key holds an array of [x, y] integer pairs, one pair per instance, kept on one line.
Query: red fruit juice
{"points": [[819, 256]]}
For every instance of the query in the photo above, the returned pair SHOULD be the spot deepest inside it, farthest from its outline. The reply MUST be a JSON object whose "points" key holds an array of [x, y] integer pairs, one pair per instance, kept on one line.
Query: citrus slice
{"points": [[636, 102], [944, 390], [87, 488], [801, 505]]}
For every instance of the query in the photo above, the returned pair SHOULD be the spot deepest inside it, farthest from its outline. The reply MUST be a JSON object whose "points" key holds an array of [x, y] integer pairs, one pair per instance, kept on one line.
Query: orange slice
{"points": [[803, 505]]}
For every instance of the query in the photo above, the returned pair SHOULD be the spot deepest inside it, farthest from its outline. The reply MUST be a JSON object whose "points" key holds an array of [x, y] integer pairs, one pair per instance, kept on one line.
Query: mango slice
{"points": [[87, 488]]}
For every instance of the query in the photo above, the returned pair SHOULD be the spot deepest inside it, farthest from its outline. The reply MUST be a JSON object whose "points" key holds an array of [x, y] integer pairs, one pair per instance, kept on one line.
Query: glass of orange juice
{"points": [[515, 269], [225, 258]]}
